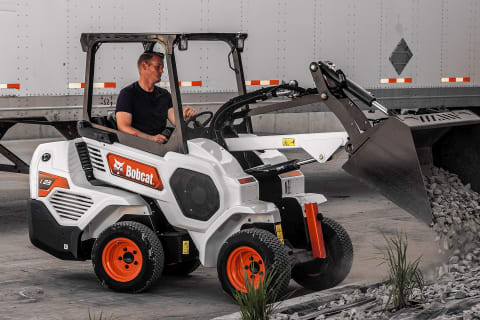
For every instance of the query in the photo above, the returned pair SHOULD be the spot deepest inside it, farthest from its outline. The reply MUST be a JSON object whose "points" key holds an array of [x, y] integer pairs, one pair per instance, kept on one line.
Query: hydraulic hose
{"points": [[225, 114]]}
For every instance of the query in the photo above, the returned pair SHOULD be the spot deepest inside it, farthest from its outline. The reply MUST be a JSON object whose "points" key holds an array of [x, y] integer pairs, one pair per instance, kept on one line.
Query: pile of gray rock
{"points": [[456, 211], [455, 294]]}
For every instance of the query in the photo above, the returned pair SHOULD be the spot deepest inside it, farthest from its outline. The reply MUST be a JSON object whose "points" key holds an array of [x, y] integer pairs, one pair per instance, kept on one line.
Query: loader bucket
{"points": [[399, 151]]}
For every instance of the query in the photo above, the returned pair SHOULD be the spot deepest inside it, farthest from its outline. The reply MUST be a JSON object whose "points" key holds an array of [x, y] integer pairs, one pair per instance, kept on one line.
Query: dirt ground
{"points": [[35, 285]]}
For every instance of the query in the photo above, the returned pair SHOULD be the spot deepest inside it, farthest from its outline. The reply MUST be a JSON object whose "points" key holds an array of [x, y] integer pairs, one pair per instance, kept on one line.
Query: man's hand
{"points": [[188, 112], [159, 138]]}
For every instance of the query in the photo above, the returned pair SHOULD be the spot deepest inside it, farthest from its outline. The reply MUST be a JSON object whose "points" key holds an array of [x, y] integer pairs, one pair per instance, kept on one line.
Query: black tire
{"points": [[321, 275], [128, 234], [273, 254], [182, 268]]}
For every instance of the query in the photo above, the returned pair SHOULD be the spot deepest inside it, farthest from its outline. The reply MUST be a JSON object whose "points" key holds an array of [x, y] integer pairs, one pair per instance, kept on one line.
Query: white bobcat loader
{"points": [[214, 195], [218, 195]]}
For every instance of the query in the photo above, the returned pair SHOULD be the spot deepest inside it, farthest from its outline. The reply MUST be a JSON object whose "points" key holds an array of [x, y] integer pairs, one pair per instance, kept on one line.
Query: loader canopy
{"points": [[170, 42]]}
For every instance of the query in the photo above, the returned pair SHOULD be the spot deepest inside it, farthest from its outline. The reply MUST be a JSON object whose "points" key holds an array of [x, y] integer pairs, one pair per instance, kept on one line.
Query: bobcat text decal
{"points": [[134, 171]]}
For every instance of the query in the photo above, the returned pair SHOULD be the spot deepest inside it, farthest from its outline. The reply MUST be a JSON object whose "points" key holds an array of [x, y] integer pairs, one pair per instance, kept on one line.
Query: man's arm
{"points": [[124, 123], [188, 112], [171, 116]]}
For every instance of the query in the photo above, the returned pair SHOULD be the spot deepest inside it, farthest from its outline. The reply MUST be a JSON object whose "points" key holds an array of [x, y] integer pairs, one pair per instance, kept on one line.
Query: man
{"points": [[143, 108]]}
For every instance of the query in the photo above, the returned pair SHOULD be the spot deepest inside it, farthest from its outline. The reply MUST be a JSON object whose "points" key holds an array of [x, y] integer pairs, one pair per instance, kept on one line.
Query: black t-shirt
{"points": [[149, 110]]}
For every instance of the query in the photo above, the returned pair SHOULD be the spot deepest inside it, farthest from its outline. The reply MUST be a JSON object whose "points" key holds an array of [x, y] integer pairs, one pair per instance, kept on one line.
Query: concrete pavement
{"points": [[35, 285]]}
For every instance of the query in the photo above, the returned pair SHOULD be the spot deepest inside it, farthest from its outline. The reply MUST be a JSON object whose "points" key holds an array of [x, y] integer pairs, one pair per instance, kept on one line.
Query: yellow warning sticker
{"points": [[279, 232], [288, 142], [186, 247]]}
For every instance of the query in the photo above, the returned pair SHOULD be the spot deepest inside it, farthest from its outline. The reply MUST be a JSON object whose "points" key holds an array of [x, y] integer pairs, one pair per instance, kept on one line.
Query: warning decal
{"points": [[288, 142]]}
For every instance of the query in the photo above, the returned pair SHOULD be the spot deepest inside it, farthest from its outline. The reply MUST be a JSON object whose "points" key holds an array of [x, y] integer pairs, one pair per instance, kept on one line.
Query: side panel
{"points": [[264, 48], [296, 47], [43, 48], [46, 234], [114, 63], [398, 21], [364, 39], [333, 33], [426, 47], [75, 202], [458, 38], [11, 59]]}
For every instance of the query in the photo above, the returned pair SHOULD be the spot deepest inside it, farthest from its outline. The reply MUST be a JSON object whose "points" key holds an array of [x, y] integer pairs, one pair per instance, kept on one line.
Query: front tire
{"points": [[128, 257], [322, 274], [253, 252]]}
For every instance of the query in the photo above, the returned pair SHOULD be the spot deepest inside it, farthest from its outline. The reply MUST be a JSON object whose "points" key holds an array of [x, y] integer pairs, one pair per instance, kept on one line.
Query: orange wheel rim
{"points": [[122, 259], [245, 261]]}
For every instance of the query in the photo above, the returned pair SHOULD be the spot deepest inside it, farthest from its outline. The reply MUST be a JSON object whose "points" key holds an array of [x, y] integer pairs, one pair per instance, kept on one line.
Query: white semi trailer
{"points": [[410, 53]]}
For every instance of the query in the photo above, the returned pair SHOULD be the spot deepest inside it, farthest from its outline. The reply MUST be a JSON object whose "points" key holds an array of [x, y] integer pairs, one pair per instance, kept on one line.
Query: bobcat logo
{"points": [[118, 166], [134, 171]]}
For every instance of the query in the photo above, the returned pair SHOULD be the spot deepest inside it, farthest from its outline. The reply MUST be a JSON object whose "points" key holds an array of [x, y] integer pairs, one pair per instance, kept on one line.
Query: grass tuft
{"points": [[403, 275], [259, 304], [101, 316]]}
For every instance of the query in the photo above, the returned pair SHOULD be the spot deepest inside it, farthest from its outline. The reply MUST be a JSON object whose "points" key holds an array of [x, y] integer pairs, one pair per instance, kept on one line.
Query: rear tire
{"points": [[181, 268], [323, 274], [255, 252], [128, 257]]}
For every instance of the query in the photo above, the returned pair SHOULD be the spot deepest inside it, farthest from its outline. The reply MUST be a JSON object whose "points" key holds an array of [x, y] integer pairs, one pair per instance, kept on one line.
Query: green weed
{"points": [[101, 316], [259, 304], [403, 276]]}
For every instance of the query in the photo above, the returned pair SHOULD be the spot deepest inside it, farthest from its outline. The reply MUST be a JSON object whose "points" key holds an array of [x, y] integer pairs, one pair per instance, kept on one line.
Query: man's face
{"points": [[153, 69]]}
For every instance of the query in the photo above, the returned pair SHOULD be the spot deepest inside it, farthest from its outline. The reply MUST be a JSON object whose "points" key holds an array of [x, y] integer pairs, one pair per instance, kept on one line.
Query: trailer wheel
{"points": [[181, 268], [255, 253], [324, 274], [128, 257]]}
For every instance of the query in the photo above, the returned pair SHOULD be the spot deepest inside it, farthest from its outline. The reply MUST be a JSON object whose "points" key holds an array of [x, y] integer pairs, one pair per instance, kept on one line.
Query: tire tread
{"points": [[281, 261], [336, 271], [155, 253]]}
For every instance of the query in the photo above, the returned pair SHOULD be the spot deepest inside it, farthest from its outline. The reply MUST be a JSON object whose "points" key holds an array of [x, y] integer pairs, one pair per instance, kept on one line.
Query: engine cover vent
{"points": [[96, 158], [70, 206], [85, 160]]}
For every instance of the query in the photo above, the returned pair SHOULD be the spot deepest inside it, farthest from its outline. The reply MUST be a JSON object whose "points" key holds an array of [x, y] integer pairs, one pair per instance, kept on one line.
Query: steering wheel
{"points": [[198, 124]]}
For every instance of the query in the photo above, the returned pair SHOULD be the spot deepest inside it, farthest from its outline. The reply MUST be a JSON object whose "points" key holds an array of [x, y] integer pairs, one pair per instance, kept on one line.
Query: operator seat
{"points": [[112, 120], [247, 159], [109, 121]]}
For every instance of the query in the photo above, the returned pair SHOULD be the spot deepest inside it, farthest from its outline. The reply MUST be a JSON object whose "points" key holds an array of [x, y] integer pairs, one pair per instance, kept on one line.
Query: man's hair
{"points": [[147, 56]]}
